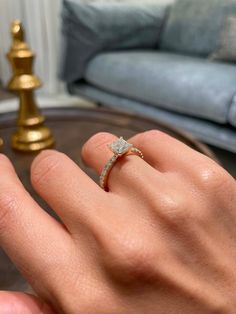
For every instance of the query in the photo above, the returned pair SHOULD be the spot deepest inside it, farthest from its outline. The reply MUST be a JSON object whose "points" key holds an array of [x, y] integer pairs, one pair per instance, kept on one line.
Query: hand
{"points": [[163, 240]]}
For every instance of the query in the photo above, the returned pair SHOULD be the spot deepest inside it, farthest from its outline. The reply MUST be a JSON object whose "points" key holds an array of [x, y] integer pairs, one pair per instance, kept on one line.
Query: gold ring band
{"points": [[120, 148]]}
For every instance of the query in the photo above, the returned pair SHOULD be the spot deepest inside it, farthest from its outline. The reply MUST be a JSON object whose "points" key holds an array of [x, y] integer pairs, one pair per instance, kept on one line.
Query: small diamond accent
{"points": [[120, 146]]}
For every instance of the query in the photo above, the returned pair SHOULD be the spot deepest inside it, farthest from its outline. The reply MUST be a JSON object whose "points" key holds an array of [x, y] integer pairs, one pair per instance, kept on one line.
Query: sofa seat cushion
{"points": [[232, 112], [91, 27], [188, 85], [209, 132], [194, 26]]}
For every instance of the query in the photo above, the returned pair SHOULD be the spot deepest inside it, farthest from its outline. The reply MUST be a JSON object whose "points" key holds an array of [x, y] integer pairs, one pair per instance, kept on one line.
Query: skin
{"points": [[163, 240]]}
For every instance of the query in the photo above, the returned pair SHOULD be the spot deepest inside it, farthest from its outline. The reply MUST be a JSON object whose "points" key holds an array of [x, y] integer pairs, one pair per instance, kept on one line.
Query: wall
{"points": [[41, 22]]}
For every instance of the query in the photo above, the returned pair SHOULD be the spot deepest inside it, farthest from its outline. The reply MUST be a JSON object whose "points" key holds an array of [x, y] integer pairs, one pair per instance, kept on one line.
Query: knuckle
{"points": [[44, 166], [174, 208], [8, 206], [213, 178], [177, 210]]}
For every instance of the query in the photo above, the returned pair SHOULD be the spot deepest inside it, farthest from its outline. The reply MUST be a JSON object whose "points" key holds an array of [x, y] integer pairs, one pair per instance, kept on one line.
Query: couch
{"points": [[157, 61]]}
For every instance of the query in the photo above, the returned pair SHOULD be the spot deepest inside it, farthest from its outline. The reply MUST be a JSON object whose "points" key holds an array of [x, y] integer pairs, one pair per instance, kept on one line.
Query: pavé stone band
{"points": [[120, 148]]}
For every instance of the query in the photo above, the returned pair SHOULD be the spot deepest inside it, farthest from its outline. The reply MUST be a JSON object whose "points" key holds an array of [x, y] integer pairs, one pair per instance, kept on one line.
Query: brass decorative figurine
{"points": [[31, 134], [1, 143]]}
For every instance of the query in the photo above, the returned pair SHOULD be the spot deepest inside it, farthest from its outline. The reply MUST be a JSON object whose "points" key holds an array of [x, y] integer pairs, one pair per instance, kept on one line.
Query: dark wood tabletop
{"points": [[71, 128]]}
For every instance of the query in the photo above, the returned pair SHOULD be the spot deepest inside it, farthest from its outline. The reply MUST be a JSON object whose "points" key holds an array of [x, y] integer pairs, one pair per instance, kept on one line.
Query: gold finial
{"points": [[31, 134], [17, 30], [21, 59]]}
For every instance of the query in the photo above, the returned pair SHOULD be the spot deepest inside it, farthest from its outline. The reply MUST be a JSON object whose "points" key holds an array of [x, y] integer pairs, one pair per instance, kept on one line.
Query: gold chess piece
{"points": [[31, 133]]}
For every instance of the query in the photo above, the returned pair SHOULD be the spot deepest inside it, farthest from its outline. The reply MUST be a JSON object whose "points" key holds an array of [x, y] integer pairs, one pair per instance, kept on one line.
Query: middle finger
{"points": [[66, 188]]}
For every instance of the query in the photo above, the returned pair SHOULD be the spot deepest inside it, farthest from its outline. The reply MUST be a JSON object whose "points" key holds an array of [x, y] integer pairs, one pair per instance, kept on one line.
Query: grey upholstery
{"points": [[232, 112], [209, 132], [192, 86], [154, 61], [194, 26], [92, 27]]}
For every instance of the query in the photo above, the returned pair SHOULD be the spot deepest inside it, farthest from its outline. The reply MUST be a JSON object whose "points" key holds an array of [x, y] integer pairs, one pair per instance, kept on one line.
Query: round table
{"points": [[71, 128]]}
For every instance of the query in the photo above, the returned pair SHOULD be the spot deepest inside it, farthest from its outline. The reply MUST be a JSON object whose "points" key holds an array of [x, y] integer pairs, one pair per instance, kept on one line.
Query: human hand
{"points": [[163, 240]]}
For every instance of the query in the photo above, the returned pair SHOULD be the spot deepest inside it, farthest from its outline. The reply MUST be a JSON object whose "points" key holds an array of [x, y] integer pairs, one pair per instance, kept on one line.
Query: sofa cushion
{"points": [[194, 26], [88, 28], [210, 132], [232, 112], [189, 85]]}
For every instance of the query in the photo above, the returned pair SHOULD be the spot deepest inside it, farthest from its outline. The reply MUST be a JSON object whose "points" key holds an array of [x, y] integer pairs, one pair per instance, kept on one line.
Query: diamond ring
{"points": [[120, 148]]}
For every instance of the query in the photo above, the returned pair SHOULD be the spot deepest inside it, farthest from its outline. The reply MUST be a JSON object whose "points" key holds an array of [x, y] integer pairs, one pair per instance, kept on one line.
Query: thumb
{"points": [[19, 303]]}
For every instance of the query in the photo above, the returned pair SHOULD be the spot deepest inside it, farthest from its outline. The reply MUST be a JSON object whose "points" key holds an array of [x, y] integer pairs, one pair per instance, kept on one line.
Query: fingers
{"points": [[66, 188], [166, 153], [96, 153], [19, 303], [177, 160], [128, 172], [32, 239]]}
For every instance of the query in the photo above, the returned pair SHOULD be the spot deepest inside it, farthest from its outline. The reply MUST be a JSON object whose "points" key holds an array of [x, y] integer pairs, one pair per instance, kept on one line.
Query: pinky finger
{"points": [[19, 302]]}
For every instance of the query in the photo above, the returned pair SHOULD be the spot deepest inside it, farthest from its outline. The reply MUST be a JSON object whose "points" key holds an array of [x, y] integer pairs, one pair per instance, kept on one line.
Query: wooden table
{"points": [[71, 128]]}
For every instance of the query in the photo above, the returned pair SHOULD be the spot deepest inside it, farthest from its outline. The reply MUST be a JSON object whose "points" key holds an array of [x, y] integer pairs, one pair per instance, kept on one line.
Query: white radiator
{"points": [[41, 19]]}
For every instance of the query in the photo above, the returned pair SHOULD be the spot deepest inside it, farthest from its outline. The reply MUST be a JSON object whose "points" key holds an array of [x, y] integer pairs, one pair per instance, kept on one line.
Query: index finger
{"points": [[30, 237]]}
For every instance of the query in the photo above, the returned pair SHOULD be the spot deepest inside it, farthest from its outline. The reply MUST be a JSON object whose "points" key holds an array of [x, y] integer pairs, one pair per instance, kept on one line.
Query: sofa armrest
{"points": [[89, 28]]}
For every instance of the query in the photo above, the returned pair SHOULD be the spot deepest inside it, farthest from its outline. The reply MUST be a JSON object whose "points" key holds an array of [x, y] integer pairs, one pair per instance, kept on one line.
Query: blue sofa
{"points": [[155, 61]]}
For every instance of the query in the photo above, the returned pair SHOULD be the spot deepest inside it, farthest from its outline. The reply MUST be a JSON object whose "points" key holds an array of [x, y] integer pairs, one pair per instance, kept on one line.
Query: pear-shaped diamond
{"points": [[120, 146]]}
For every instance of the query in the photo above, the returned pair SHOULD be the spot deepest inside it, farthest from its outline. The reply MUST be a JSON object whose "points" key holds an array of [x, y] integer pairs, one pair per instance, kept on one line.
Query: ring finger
{"points": [[129, 171]]}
